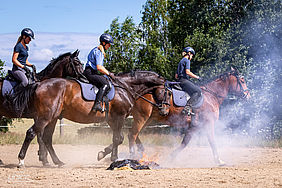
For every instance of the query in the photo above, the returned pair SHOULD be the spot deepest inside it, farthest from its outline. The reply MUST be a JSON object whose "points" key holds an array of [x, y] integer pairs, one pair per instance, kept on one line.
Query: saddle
{"points": [[89, 91], [180, 97], [9, 84]]}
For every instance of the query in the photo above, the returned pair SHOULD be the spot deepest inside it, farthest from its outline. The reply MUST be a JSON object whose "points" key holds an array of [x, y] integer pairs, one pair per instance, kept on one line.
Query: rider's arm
{"points": [[191, 74], [28, 63], [102, 69], [15, 60]]}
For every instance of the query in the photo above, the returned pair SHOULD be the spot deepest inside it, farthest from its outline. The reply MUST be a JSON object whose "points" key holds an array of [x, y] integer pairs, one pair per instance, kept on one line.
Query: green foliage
{"points": [[123, 55], [2, 72], [244, 33]]}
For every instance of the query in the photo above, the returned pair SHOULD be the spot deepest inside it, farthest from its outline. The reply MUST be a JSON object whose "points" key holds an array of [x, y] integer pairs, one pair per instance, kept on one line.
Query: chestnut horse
{"points": [[214, 93], [56, 98], [65, 65]]}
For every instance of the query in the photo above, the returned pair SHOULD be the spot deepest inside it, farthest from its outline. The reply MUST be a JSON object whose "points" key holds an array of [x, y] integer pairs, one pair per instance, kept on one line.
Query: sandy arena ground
{"points": [[194, 167]]}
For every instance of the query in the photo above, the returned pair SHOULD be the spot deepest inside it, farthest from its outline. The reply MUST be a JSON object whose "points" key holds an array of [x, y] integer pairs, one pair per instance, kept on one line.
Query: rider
{"points": [[20, 57], [94, 65], [183, 74]]}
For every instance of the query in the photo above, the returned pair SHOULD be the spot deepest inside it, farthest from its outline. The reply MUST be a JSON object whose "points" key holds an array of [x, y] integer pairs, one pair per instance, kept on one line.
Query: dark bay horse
{"points": [[214, 93], [65, 65], [54, 98]]}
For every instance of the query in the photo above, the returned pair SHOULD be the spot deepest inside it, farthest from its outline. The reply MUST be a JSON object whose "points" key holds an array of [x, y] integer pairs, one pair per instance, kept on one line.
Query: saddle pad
{"points": [[89, 91], [180, 98], [7, 87]]}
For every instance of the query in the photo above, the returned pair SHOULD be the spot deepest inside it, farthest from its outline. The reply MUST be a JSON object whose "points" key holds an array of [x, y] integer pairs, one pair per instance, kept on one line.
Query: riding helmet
{"points": [[189, 49], [107, 38], [27, 32]]}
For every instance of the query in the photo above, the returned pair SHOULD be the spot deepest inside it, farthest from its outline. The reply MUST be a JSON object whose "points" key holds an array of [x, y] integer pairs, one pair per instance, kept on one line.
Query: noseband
{"points": [[243, 91]]}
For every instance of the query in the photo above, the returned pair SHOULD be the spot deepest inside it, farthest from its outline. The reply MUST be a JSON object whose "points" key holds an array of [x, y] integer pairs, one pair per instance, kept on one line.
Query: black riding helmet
{"points": [[189, 49], [27, 32], [107, 38]]}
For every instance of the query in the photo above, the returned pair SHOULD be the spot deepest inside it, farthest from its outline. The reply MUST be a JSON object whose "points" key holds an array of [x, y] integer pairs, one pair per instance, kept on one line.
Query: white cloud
{"points": [[47, 46]]}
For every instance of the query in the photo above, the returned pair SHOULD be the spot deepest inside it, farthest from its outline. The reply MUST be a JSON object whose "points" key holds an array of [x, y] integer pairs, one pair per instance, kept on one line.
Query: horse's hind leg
{"points": [[47, 139], [42, 152]]}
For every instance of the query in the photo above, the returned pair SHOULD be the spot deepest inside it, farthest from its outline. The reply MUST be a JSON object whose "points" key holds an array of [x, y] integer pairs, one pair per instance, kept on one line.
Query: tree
{"points": [[123, 55]]}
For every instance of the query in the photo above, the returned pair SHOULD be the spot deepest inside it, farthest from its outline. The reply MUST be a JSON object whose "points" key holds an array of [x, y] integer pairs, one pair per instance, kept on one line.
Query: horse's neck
{"points": [[219, 88], [55, 72], [139, 86]]}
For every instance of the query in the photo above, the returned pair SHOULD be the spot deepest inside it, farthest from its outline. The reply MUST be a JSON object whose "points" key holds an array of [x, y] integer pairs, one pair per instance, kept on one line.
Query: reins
{"points": [[122, 86]]}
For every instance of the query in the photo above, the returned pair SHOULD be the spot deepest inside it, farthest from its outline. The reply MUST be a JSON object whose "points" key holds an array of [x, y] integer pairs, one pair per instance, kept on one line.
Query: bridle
{"points": [[77, 74], [242, 94]]}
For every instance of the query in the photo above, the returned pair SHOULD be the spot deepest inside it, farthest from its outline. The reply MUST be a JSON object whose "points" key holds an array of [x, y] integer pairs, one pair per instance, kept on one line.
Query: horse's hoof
{"points": [[101, 155], [20, 166], [21, 163], [46, 164], [220, 162], [60, 164], [113, 158], [1, 162]]}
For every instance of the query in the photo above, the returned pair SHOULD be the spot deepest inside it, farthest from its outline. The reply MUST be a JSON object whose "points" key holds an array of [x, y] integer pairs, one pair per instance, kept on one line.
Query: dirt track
{"points": [[194, 167]]}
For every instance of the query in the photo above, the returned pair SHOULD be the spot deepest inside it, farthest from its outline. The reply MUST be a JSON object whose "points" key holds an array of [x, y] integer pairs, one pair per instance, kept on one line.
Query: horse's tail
{"points": [[22, 98]]}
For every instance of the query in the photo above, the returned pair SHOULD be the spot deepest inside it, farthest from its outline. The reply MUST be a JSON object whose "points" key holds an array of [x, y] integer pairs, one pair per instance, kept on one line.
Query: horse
{"points": [[55, 98], [214, 92], [65, 65]]}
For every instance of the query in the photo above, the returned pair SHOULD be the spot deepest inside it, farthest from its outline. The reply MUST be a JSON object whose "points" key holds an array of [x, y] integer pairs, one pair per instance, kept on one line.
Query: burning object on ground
{"points": [[130, 164]]}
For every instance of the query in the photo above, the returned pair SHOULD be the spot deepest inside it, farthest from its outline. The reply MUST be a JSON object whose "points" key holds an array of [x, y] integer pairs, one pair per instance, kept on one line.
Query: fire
{"points": [[150, 161]]}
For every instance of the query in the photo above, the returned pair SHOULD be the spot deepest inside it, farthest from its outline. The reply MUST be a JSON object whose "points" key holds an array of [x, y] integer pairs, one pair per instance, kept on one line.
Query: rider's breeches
{"points": [[98, 80], [193, 90], [20, 76]]}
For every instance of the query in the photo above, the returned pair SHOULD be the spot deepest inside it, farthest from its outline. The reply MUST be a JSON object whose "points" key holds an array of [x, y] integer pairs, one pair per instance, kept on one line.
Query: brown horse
{"points": [[65, 65], [56, 98], [214, 93]]}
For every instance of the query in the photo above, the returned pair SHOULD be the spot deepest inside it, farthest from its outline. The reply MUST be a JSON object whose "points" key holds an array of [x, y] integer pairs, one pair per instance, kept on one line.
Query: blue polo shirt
{"points": [[23, 53], [95, 57], [182, 66]]}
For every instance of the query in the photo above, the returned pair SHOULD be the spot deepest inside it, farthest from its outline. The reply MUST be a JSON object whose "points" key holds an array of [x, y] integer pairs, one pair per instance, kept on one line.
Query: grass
{"points": [[70, 135]]}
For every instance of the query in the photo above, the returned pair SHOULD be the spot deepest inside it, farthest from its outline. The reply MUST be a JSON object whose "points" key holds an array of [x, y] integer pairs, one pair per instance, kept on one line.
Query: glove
{"points": [[26, 69], [112, 75], [33, 68]]}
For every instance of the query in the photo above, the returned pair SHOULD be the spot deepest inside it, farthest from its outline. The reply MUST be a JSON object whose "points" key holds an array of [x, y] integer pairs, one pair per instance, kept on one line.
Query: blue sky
{"points": [[60, 25]]}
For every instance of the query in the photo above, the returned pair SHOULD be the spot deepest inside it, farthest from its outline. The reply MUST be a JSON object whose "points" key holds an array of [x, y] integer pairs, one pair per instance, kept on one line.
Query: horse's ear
{"points": [[75, 54]]}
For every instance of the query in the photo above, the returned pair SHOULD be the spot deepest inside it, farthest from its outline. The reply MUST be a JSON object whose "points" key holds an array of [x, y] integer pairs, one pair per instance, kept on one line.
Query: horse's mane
{"points": [[137, 72], [221, 76], [52, 64]]}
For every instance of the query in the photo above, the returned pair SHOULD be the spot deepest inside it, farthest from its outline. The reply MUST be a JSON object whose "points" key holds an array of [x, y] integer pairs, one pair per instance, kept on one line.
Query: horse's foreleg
{"points": [[186, 139], [210, 134], [30, 134], [47, 139], [140, 121], [117, 138], [103, 154]]}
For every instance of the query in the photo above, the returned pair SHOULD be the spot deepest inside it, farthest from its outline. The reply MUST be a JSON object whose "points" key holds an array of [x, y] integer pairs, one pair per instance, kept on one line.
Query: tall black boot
{"points": [[187, 110], [98, 106]]}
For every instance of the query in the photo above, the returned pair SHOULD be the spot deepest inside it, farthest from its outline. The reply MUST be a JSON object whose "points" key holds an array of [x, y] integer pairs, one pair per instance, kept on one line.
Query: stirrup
{"points": [[187, 110], [97, 107]]}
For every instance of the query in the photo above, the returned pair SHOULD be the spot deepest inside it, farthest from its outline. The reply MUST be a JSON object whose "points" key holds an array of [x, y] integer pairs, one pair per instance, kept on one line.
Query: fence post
{"points": [[61, 127]]}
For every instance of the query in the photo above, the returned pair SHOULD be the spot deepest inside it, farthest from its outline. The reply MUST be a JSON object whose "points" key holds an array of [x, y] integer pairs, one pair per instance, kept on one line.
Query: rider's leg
{"points": [[20, 76], [194, 91], [97, 106]]}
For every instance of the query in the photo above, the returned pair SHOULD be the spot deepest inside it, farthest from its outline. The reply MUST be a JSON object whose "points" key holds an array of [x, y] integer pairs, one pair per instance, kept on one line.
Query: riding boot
{"points": [[98, 101], [187, 110]]}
